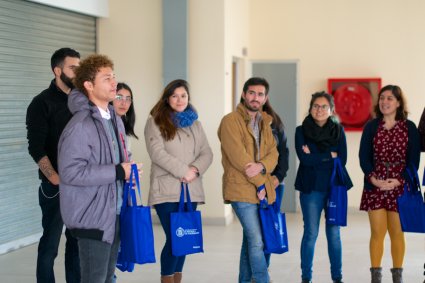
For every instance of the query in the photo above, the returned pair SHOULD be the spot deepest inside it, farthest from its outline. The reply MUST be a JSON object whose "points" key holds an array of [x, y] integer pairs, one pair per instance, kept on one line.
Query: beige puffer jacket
{"points": [[171, 160]]}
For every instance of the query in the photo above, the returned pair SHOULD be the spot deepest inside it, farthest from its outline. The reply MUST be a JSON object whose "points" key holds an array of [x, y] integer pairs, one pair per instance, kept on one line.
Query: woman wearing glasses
{"points": [[123, 106], [318, 141]]}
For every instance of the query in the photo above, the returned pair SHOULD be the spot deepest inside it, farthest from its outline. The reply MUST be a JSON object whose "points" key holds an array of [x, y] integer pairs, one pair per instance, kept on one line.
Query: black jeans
{"points": [[98, 259], [49, 242]]}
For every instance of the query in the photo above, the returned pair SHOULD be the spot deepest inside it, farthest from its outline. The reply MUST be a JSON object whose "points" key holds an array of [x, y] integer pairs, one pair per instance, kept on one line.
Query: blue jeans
{"points": [[312, 205], [169, 264], [252, 263], [279, 196], [98, 259], [52, 224]]}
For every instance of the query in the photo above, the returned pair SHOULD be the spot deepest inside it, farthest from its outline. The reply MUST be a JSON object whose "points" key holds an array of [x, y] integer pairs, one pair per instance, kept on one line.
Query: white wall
{"points": [[236, 39], [344, 38], [97, 8], [218, 31], [132, 37], [206, 77], [236, 35], [217, 34]]}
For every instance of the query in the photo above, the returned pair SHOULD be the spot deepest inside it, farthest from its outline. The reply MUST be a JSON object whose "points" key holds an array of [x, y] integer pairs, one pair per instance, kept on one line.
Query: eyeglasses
{"points": [[121, 98], [324, 107]]}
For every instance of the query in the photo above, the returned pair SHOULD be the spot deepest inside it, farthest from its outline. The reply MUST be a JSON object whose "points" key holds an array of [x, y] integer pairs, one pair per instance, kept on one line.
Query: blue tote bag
{"points": [[411, 206], [273, 228], [186, 228], [336, 211], [137, 240]]}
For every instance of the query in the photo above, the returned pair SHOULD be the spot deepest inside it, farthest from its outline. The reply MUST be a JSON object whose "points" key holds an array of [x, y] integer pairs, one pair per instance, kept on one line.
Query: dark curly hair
{"points": [[88, 69]]}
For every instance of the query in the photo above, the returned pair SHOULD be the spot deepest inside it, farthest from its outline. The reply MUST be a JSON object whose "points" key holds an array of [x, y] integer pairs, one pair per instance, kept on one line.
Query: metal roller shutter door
{"points": [[29, 34]]}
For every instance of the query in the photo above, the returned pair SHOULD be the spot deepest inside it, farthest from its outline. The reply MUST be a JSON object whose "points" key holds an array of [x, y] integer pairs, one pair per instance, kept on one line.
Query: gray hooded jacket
{"points": [[88, 193]]}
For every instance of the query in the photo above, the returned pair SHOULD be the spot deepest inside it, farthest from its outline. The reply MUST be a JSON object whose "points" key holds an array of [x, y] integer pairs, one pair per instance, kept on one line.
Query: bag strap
{"points": [[133, 192], [128, 188], [337, 171], [340, 169], [125, 194], [263, 203], [181, 202], [414, 177]]}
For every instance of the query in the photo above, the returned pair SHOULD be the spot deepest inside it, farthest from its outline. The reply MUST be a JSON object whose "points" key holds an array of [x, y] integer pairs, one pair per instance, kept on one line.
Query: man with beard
{"points": [[47, 116], [249, 156]]}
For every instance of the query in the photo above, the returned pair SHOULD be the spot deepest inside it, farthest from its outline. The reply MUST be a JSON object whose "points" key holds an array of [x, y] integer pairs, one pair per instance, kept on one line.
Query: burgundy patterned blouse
{"points": [[389, 150]]}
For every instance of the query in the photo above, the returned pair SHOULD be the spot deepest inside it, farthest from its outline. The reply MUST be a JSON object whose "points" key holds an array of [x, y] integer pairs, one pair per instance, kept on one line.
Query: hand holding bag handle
{"points": [[128, 188], [122, 263], [137, 240], [181, 202], [273, 227]]}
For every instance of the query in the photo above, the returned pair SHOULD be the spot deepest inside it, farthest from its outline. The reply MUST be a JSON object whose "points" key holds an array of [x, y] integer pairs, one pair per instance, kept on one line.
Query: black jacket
{"points": [[421, 129], [47, 116], [283, 161], [315, 169], [366, 155]]}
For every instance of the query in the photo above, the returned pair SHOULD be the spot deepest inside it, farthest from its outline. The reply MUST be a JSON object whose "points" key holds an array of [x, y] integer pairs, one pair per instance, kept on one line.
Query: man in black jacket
{"points": [[47, 116]]}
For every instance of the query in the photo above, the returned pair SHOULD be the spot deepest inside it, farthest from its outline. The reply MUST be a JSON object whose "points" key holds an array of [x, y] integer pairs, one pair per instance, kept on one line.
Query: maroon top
{"points": [[389, 150]]}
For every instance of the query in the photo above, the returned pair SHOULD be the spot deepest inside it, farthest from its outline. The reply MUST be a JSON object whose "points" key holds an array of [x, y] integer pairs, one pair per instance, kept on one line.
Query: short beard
{"points": [[250, 108], [66, 80]]}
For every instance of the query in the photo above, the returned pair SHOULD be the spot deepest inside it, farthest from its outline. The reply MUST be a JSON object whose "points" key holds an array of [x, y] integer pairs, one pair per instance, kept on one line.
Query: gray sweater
{"points": [[86, 162]]}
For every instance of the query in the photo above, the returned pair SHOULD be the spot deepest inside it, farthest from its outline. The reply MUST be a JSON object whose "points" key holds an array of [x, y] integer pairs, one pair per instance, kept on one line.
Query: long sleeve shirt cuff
{"points": [[119, 172]]}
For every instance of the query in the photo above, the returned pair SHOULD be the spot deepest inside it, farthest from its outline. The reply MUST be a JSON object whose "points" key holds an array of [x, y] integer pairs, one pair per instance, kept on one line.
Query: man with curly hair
{"points": [[93, 164]]}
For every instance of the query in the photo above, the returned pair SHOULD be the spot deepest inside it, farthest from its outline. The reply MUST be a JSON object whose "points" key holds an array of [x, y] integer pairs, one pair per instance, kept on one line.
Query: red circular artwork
{"points": [[353, 103]]}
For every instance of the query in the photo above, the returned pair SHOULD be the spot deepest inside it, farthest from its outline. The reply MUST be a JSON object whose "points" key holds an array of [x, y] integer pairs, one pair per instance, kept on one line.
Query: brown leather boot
{"points": [[178, 277], [167, 279]]}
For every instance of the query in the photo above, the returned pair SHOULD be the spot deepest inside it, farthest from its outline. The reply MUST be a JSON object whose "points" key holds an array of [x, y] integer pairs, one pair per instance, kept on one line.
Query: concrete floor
{"points": [[220, 261]]}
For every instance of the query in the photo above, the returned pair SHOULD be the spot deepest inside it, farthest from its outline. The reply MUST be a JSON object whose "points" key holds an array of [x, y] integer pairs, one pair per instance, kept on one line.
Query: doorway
{"points": [[283, 94]]}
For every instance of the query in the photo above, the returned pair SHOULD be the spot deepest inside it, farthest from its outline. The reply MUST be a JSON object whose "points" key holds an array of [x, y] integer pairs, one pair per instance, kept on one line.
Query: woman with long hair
{"points": [[389, 144], [179, 151], [279, 173], [124, 107]]}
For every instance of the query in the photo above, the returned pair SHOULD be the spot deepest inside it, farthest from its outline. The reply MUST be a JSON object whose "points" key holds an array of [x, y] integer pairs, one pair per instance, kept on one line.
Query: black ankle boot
{"points": [[376, 273], [397, 275]]}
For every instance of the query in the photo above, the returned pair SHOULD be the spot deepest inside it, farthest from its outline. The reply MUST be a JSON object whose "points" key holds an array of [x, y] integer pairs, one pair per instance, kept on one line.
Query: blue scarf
{"points": [[185, 118]]}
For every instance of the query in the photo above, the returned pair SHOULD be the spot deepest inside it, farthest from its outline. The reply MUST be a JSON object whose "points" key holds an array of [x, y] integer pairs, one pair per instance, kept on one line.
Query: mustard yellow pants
{"points": [[382, 221]]}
